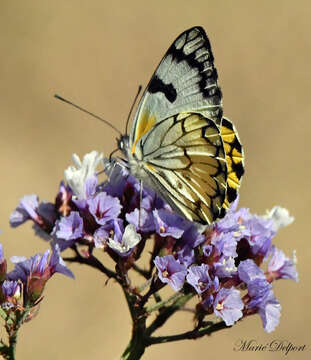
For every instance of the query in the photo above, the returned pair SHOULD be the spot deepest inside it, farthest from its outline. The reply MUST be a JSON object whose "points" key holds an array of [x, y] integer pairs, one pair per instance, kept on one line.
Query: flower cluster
{"points": [[23, 287], [221, 263]]}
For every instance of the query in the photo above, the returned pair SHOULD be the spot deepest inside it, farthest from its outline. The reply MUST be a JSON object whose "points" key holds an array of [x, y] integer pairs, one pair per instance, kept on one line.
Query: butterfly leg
{"points": [[140, 201]]}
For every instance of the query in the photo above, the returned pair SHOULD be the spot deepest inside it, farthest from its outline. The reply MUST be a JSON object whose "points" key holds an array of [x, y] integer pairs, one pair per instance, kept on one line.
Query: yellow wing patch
{"points": [[234, 159], [145, 123]]}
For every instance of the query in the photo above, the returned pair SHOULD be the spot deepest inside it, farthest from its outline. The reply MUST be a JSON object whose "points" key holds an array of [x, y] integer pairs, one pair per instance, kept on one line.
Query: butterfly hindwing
{"points": [[235, 161], [185, 81], [184, 161]]}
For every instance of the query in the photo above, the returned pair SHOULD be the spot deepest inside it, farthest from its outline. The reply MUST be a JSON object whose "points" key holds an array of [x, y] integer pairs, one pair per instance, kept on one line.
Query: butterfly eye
{"points": [[120, 143]]}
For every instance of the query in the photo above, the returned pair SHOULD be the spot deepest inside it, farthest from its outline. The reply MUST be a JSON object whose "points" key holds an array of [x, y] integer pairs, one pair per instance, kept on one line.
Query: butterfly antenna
{"points": [[87, 112], [132, 107]]}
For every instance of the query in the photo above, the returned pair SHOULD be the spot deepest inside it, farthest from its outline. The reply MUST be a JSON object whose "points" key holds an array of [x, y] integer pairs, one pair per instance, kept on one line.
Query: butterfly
{"points": [[180, 145]]}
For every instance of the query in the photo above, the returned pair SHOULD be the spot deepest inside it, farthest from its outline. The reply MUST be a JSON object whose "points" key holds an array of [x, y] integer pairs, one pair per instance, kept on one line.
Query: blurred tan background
{"points": [[96, 53]]}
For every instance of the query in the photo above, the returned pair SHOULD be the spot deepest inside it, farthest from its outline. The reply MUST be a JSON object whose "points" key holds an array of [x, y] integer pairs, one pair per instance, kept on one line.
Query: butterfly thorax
{"points": [[134, 161]]}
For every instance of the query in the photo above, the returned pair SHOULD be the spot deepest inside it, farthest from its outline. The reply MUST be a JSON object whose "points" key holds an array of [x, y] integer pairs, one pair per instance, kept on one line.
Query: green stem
{"points": [[93, 262], [140, 271], [167, 313], [12, 327], [136, 346], [131, 301], [193, 334], [12, 346], [160, 304]]}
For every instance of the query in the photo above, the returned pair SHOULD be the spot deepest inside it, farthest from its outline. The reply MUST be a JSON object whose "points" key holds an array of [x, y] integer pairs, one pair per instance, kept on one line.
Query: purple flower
{"points": [[69, 227], [225, 267], [259, 233], [270, 313], [282, 267], [227, 224], [10, 293], [124, 243], [3, 265], [127, 188], [207, 250], [104, 207], [101, 236], [117, 178], [117, 228], [199, 278], [228, 305], [44, 215], [186, 255], [263, 299], [233, 219], [170, 271], [22, 267], [11, 289], [2, 259], [248, 271], [57, 265], [39, 266], [143, 217], [90, 186], [192, 235], [168, 224], [27, 209], [208, 301], [63, 199], [226, 244], [191, 238], [46, 211], [36, 271]]}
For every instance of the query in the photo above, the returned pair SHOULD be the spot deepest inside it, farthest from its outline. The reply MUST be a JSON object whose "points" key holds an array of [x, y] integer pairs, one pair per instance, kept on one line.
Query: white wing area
{"points": [[185, 81]]}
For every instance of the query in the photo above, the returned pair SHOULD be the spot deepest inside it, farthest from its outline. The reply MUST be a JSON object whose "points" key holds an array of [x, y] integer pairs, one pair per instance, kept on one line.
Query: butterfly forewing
{"points": [[184, 160], [185, 81]]}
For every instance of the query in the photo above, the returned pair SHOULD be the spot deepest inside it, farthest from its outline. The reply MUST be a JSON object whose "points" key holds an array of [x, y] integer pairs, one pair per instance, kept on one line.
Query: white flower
{"points": [[229, 265], [280, 217], [77, 175], [130, 239]]}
